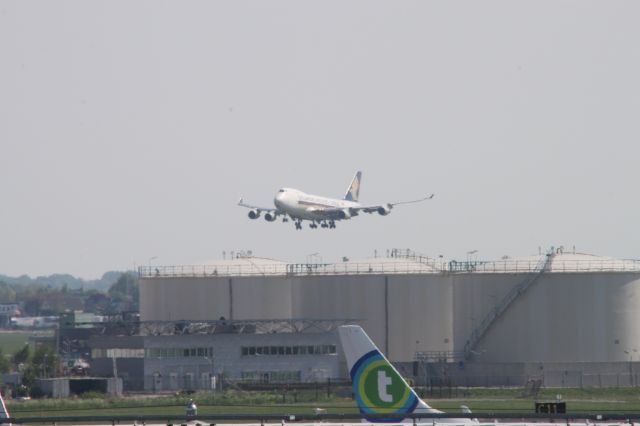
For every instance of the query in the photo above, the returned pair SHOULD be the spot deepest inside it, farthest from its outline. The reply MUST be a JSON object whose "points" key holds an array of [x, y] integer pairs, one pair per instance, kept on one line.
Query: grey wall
{"points": [[229, 362]]}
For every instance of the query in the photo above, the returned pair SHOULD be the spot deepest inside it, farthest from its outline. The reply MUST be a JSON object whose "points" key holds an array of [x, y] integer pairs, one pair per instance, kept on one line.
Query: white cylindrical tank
{"points": [[184, 298], [569, 317], [402, 313], [580, 309]]}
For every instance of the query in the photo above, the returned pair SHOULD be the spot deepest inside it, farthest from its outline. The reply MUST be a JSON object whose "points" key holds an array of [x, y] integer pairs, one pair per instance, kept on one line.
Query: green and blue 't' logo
{"points": [[380, 390]]}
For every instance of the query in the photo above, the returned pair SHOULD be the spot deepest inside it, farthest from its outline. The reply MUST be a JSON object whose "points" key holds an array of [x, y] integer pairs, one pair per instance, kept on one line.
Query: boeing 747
{"points": [[322, 211]]}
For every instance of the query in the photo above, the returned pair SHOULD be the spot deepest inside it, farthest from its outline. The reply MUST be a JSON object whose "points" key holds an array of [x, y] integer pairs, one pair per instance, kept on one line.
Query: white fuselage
{"points": [[300, 205]]}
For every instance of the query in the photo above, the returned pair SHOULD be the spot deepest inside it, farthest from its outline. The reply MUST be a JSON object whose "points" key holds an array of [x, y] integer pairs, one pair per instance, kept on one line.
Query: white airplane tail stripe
{"points": [[4, 414], [379, 389]]}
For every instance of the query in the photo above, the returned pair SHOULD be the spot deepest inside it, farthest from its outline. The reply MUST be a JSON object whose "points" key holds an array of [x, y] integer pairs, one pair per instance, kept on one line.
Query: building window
{"points": [[117, 353], [289, 350], [163, 353]]}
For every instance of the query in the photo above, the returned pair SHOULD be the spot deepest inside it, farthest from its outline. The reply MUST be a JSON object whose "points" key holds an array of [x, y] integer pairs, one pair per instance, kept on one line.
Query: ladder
{"points": [[481, 330]]}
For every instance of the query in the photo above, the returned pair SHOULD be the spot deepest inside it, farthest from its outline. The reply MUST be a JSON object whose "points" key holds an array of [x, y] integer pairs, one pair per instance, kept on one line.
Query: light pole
{"points": [[150, 259], [212, 374], [631, 378], [44, 365]]}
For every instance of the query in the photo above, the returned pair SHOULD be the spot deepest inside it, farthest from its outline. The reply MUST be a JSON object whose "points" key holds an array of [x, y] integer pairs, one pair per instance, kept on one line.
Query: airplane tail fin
{"points": [[353, 192], [4, 414], [378, 387]]}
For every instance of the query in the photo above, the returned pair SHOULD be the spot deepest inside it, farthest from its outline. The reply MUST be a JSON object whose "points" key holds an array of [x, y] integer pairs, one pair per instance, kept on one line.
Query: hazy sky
{"points": [[128, 130]]}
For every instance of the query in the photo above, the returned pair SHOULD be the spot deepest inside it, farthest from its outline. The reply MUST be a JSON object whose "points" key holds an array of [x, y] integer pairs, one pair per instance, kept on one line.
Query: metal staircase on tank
{"points": [[481, 330]]}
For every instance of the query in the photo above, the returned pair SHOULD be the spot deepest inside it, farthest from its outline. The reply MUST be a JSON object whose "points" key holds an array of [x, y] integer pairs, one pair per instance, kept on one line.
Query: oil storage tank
{"points": [[554, 308]]}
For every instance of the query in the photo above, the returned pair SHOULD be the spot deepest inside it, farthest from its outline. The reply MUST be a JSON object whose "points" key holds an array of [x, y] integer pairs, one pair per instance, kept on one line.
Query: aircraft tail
{"points": [[378, 387], [4, 414], [353, 192]]}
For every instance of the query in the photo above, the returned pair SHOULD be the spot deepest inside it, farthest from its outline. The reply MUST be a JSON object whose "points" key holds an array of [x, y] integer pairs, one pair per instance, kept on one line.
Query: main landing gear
{"points": [[326, 224]]}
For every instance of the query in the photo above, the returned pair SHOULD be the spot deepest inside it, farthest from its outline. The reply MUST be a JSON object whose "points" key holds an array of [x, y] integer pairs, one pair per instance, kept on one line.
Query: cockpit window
{"points": [[282, 190]]}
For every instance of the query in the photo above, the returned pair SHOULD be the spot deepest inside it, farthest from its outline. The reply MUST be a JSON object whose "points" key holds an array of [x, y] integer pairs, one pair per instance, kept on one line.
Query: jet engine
{"points": [[270, 216], [254, 214], [384, 210], [344, 214]]}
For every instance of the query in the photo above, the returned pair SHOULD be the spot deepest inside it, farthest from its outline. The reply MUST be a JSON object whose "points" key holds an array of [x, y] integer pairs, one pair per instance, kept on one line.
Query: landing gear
{"points": [[285, 219], [326, 224]]}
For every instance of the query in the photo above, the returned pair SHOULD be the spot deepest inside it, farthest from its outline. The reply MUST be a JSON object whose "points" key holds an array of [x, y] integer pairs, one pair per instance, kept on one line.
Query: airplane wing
{"points": [[270, 214], [389, 206], [348, 212], [260, 209]]}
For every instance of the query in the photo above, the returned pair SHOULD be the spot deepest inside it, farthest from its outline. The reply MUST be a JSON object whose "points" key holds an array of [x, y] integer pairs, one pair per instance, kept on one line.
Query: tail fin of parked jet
{"points": [[4, 414], [378, 387], [353, 192]]}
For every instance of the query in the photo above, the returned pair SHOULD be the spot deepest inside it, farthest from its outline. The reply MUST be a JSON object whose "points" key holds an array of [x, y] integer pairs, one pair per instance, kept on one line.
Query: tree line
{"points": [[38, 299]]}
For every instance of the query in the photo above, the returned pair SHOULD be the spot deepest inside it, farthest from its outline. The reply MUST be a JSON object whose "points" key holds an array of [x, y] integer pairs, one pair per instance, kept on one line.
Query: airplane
{"points": [[381, 393], [300, 206]]}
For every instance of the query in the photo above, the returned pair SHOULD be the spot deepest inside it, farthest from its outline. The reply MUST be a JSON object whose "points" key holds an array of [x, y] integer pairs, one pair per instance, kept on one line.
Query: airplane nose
{"points": [[278, 201]]}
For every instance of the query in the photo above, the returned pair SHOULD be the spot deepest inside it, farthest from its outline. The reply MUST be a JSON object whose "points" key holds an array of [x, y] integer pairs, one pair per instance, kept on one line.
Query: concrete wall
{"points": [[61, 387], [575, 375]]}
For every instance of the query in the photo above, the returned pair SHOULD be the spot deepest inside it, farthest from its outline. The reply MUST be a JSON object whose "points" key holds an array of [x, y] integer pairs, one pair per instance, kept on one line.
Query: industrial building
{"points": [[204, 355], [563, 315]]}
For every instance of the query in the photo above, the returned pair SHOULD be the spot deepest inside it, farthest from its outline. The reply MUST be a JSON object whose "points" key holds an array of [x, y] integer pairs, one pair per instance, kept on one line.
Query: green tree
{"points": [[4, 363], [125, 292], [28, 379], [22, 356], [45, 361], [7, 293]]}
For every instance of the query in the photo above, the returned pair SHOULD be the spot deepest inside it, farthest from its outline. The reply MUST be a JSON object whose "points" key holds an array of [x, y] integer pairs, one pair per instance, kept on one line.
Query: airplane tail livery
{"points": [[378, 387], [353, 192], [4, 414]]}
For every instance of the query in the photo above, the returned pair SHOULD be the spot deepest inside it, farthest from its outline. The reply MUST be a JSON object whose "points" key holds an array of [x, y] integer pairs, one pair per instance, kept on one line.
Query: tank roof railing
{"points": [[378, 267]]}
